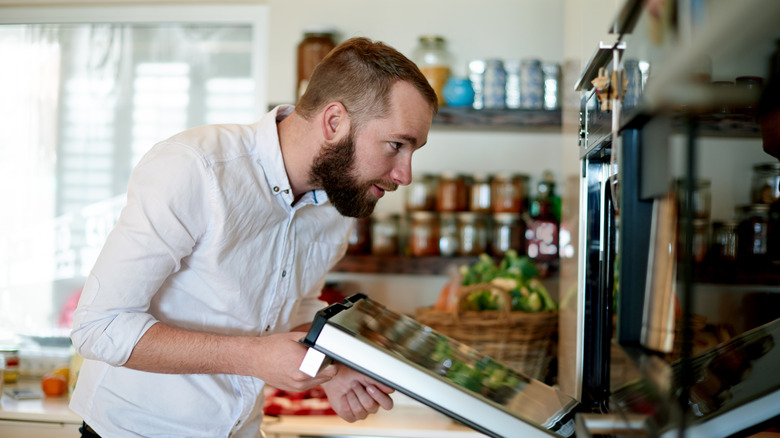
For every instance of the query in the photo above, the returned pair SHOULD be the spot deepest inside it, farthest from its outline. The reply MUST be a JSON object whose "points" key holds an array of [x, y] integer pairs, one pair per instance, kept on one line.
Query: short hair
{"points": [[359, 73]]}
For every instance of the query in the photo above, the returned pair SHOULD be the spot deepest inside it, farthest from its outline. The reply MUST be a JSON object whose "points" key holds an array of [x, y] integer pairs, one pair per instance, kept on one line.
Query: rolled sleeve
{"points": [[158, 227]]}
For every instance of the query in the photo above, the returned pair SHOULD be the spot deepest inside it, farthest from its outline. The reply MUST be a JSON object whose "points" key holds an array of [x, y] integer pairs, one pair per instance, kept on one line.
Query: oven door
{"points": [[436, 370]]}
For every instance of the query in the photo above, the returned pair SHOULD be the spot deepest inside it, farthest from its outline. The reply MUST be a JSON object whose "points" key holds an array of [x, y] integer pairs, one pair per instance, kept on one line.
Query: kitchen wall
{"points": [[563, 31]]}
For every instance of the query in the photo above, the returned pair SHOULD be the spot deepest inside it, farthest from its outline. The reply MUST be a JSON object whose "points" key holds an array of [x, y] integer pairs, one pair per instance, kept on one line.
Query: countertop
{"points": [[409, 421], [43, 410], [406, 419]]}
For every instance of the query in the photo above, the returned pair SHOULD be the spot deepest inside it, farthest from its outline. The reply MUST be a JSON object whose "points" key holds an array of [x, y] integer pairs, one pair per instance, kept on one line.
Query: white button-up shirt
{"points": [[208, 241]]}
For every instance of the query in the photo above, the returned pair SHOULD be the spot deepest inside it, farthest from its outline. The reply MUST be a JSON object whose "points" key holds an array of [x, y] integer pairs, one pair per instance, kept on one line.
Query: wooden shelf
{"points": [[511, 119], [396, 264]]}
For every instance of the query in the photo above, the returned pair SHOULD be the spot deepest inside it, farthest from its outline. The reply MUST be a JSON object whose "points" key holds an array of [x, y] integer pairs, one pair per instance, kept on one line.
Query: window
{"points": [[86, 91]]}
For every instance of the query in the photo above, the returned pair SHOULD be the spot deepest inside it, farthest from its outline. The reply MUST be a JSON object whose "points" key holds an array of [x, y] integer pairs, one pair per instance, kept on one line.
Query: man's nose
{"points": [[402, 172]]}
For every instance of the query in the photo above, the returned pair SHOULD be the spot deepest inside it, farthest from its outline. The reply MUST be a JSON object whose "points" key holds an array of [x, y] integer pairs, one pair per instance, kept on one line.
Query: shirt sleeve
{"points": [[165, 215]]}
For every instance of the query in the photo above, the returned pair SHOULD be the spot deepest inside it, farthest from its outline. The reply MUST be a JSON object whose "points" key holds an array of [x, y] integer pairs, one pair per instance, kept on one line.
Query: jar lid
{"points": [[506, 217], [319, 29], [481, 177], [432, 38], [764, 167], [423, 215], [510, 175]]}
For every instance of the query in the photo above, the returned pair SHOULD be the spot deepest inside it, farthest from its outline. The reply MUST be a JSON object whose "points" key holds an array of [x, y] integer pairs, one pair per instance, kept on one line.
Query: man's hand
{"points": [[354, 396], [280, 366], [275, 358]]}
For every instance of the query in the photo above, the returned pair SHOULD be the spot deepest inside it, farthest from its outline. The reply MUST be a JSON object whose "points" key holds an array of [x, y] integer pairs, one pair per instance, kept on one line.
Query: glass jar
{"points": [[701, 200], [479, 194], [531, 84], [434, 61], [448, 234], [494, 88], [508, 232], [10, 358], [765, 185], [452, 193], [316, 44], [752, 237], [360, 236], [384, 234], [509, 193], [423, 234], [472, 234], [421, 193], [724, 242], [701, 238]]}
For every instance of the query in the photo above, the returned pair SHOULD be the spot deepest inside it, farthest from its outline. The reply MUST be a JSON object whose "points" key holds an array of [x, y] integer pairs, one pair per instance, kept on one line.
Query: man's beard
{"points": [[334, 171]]}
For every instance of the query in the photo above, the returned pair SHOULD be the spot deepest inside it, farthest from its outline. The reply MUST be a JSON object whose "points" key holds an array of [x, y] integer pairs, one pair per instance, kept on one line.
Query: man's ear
{"points": [[335, 121]]}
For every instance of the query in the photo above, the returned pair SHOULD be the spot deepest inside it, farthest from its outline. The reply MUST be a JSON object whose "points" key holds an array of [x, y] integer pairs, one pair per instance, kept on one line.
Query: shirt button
{"points": [[268, 327], [284, 274], [276, 189]]}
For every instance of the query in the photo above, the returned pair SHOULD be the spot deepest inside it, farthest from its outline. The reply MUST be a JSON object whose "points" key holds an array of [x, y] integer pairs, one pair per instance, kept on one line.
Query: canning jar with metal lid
{"points": [[448, 234], [452, 193], [480, 200], [509, 193], [472, 233], [508, 232], [421, 193], [423, 234], [765, 185], [384, 233]]}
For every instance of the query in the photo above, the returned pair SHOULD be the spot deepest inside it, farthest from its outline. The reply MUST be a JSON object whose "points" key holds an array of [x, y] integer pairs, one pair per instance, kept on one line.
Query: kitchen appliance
{"points": [[436, 370]]}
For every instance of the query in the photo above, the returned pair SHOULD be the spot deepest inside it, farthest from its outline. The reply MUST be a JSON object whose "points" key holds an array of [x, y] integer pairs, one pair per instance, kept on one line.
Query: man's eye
{"points": [[396, 145]]}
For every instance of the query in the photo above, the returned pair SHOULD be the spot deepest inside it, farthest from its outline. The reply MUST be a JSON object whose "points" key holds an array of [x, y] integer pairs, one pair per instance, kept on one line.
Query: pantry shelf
{"points": [[512, 119], [397, 264]]}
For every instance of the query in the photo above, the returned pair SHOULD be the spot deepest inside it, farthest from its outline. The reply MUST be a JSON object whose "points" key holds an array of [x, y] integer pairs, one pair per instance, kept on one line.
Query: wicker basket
{"points": [[519, 339]]}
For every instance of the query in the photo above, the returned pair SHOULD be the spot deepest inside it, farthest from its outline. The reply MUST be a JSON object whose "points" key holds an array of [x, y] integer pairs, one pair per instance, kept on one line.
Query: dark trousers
{"points": [[87, 432]]}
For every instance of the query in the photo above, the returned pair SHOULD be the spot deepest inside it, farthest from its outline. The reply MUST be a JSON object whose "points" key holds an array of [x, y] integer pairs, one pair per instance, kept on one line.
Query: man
{"points": [[211, 276]]}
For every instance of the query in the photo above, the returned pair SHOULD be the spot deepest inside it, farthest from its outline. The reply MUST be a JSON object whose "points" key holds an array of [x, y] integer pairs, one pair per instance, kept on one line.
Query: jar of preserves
{"points": [[434, 61], [472, 234], [509, 193], [360, 236], [424, 234], [384, 234], [316, 44], [480, 200], [421, 193], [765, 184], [448, 234], [508, 232], [452, 193], [10, 358]]}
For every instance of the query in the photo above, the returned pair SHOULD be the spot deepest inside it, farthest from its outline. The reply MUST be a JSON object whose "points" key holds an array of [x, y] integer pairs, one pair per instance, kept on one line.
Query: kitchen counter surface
{"points": [[404, 420], [43, 409]]}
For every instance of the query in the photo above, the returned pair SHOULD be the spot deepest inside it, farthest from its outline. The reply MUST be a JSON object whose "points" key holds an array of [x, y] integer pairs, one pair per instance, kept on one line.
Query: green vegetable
{"points": [[513, 273]]}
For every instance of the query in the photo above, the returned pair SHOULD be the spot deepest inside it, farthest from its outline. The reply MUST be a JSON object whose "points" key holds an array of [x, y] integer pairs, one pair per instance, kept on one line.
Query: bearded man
{"points": [[211, 276]]}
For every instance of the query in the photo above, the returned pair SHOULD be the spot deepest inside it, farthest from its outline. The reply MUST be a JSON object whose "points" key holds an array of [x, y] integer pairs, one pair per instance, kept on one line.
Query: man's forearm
{"points": [[171, 350]]}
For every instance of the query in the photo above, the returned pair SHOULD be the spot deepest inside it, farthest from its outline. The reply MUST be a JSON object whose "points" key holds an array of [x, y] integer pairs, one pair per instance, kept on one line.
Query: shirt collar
{"points": [[270, 158]]}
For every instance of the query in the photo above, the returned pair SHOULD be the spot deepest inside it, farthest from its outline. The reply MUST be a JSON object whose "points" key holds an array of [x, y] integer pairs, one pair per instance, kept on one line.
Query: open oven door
{"points": [[436, 370]]}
